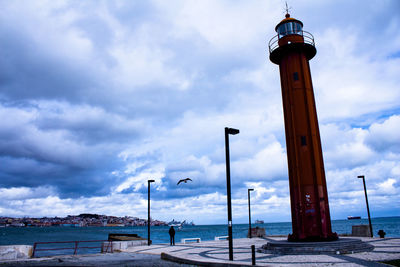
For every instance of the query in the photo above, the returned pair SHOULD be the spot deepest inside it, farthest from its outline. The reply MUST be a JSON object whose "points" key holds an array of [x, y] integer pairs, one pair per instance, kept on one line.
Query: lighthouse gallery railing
{"points": [[307, 37]]}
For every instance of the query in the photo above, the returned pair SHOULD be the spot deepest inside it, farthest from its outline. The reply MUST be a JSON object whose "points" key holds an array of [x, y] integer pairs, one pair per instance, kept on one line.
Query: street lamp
{"points": [[229, 131], [248, 197], [366, 200], [148, 211]]}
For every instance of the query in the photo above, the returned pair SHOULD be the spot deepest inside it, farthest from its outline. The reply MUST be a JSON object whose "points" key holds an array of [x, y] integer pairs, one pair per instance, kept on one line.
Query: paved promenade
{"points": [[215, 253]]}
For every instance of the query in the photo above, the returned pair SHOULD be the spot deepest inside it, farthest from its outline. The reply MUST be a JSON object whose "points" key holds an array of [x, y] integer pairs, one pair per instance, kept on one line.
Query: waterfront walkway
{"points": [[215, 253]]}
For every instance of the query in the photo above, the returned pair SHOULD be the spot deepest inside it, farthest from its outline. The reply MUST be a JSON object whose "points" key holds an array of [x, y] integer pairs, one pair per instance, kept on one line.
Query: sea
{"points": [[159, 234]]}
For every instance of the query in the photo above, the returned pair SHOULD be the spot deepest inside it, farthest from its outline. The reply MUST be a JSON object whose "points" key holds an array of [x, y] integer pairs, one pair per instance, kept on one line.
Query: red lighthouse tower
{"points": [[291, 49]]}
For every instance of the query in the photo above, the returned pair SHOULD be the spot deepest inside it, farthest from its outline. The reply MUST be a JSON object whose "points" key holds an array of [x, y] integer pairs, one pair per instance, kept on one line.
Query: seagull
{"points": [[184, 180]]}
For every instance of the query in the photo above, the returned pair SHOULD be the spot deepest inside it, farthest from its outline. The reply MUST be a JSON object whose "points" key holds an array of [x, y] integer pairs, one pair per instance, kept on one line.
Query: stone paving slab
{"points": [[215, 253], [99, 260]]}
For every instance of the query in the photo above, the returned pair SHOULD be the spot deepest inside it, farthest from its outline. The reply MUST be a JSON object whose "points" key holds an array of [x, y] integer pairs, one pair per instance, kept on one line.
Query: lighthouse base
{"points": [[340, 246], [332, 237]]}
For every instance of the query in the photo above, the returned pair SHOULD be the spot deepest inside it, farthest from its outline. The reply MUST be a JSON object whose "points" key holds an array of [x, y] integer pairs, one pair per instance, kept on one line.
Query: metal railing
{"points": [[103, 247], [307, 37]]}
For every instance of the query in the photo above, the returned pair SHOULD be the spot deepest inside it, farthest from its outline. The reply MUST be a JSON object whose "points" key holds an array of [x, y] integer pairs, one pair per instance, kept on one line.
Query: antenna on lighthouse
{"points": [[287, 10]]}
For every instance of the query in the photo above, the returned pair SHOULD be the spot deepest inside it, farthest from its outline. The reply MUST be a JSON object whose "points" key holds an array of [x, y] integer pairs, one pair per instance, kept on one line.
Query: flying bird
{"points": [[184, 180]]}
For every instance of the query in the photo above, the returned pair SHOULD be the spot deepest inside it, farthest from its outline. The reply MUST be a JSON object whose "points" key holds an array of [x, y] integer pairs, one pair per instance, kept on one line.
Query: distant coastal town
{"points": [[81, 220]]}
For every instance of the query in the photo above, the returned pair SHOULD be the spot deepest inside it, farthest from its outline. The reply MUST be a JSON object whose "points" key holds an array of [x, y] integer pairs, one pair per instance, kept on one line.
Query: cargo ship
{"points": [[353, 217]]}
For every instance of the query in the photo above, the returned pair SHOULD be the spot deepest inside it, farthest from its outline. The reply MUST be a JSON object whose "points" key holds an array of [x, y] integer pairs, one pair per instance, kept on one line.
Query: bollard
{"points": [[381, 233], [253, 255]]}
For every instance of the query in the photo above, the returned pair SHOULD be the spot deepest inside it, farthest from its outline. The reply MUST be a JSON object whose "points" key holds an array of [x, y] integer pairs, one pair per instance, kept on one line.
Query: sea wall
{"points": [[122, 245], [15, 252]]}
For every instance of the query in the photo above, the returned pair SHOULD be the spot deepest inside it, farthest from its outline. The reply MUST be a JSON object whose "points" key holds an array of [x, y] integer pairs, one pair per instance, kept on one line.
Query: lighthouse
{"points": [[291, 49]]}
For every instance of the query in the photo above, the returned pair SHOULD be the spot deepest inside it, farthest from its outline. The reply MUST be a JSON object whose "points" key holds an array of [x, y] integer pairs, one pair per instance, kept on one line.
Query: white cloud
{"points": [[350, 82], [383, 136], [222, 24], [387, 187], [270, 160], [20, 193], [140, 180], [345, 146]]}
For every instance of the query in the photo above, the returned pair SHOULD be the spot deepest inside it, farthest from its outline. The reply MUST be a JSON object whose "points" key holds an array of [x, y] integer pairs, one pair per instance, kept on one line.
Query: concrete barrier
{"points": [[122, 245], [196, 239], [361, 230], [15, 252], [218, 238], [257, 232]]}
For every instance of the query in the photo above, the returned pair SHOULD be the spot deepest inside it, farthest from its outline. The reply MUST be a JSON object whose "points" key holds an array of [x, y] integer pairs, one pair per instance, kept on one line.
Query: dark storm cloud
{"points": [[90, 125], [33, 68], [70, 145], [30, 71], [68, 181], [74, 149]]}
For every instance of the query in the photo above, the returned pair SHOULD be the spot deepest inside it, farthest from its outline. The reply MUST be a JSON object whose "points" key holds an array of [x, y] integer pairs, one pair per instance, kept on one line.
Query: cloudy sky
{"points": [[97, 97]]}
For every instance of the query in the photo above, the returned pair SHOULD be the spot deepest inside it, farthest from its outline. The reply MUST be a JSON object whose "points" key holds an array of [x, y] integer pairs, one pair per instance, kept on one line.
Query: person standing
{"points": [[172, 236]]}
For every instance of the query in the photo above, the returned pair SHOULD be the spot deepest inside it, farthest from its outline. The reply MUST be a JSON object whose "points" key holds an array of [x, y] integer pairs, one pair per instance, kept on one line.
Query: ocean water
{"points": [[159, 234]]}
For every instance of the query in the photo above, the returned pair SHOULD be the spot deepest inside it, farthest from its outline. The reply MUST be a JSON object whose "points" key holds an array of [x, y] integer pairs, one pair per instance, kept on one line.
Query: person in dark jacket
{"points": [[172, 236]]}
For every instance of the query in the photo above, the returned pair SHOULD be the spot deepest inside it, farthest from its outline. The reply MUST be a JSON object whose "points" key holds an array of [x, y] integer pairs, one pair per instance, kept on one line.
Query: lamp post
{"points": [[229, 131], [366, 200], [148, 211], [248, 197]]}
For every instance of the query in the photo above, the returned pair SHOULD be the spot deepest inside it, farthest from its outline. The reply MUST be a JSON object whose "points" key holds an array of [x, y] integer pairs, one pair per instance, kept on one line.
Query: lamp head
{"points": [[360, 176], [250, 189], [231, 131], [150, 181]]}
